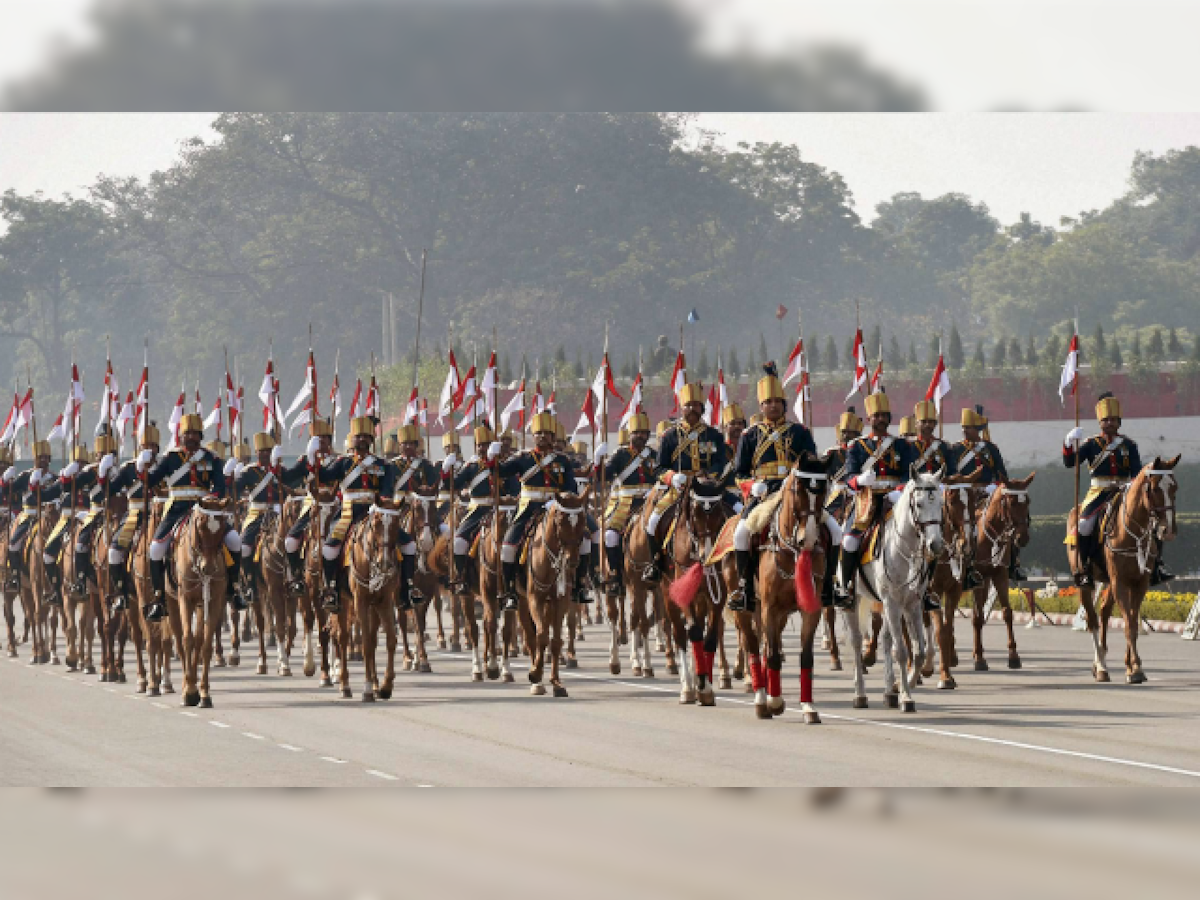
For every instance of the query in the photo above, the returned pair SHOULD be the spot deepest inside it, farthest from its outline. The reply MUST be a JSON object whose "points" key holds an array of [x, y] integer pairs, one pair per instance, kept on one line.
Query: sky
{"points": [[1047, 164]]}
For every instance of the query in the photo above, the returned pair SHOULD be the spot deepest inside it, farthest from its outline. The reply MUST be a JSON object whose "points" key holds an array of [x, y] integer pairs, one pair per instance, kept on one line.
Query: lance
{"points": [[600, 499]]}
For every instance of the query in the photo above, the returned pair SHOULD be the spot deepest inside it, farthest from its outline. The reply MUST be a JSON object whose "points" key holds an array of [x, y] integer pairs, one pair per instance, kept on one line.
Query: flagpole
{"points": [[33, 428], [1076, 393], [333, 412], [942, 358], [314, 519], [495, 437], [600, 500], [453, 491]]}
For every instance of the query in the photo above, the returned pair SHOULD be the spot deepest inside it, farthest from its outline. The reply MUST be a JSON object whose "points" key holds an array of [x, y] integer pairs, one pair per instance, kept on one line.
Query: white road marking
{"points": [[291, 748], [110, 690], [189, 714], [215, 724], [333, 759], [384, 775], [425, 785], [160, 705], [134, 697], [253, 736]]}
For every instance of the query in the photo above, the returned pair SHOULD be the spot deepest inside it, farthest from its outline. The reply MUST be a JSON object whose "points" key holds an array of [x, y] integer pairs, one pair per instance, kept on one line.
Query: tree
{"points": [[1031, 352], [560, 354], [1014, 353], [763, 353], [732, 363], [1155, 348], [703, 368], [1196, 347], [1114, 356], [999, 354], [954, 359], [578, 369], [1099, 347], [505, 374], [895, 356], [935, 349], [1053, 352], [979, 359], [751, 362], [1135, 348], [874, 347], [830, 354], [912, 354], [1174, 347]]}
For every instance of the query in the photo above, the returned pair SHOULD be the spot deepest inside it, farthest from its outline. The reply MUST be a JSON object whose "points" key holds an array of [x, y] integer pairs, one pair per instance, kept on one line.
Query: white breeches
{"points": [[461, 547], [652, 523], [291, 544], [612, 538], [742, 536]]}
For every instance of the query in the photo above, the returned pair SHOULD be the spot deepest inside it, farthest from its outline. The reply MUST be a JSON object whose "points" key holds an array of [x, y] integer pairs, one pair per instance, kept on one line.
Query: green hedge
{"points": [[1172, 608], [1046, 550]]}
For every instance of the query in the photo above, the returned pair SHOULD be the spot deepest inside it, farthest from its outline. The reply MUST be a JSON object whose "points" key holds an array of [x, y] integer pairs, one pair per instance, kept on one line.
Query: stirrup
{"points": [[929, 603], [739, 600], [54, 598], [79, 585], [154, 612], [508, 603], [119, 602], [651, 574], [1084, 579], [331, 599], [237, 601], [1161, 574], [972, 578]]}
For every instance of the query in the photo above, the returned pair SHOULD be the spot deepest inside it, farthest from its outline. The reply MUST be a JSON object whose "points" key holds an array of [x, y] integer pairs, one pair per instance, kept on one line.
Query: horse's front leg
{"points": [[854, 639], [539, 641], [1000, 580], [978, 620], [1130, 599], [897, 618], [809, 623], [703, 676], [209, 623], [389, 675], [483, 651], [368, 628], [574, 619], [309, 616], [419, 614], [558, 615], [1102, 615], [508, 645], [722, 663], [441, 631]]}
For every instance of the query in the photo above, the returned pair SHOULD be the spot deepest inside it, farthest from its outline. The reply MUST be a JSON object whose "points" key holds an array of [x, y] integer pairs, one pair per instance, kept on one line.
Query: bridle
{"points": [[561, 558], [1001, 540], [198, 572], [923, 551], [801, 535], [379, 572], [1158, 518]]}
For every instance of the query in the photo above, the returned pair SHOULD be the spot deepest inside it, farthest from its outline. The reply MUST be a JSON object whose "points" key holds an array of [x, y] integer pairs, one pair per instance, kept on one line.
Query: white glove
{"points": [[494, 449], [1074, 435], [866, 479], [679, 481], [144, 459], [759, 489], [35, 478], [314, 444], [448, 462], [9, 474], [238, 470], [601, 452], [106, 464], [230, 466], [71, 469], [276, 455]]}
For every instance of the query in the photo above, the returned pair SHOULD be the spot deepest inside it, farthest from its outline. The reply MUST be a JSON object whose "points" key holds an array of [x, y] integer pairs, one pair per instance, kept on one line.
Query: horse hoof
{"points": [[235, 660], [507, 678], [860, 703], [747, 687], [260, 669], [285, 672], [54, 661], [572, 662], [726, 683], [615, 669], [927, 671], [423, 666], [917, 680], [455, 647], [1014, 662], [206, 703], [103, 676], [647, 672], [738, 673], [385, 693], [71, 666], [868, 659], [191, 699], [560, 691], [168, 688], [707, 698], [153, 692], [493, 673], [891, 701], [310, 669], [672, 668], [981, 665], [141, 685], [777, 705], [947, 684], [579, 635], [477, 676], [687, 696], [90, 670], [1135, 678], [368, 697], [910, 706], [441, 643], [660, 647], [407, 665], [825, 643], [537, 690], [762, 711], [326, 681], [220, 662], [347, 694]]}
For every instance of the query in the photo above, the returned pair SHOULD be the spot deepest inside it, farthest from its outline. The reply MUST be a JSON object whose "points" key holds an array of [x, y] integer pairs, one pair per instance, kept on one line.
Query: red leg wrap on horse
{"points": [[774, 683], [756, 672], [700, 657], [806, 685], [708, 662]]}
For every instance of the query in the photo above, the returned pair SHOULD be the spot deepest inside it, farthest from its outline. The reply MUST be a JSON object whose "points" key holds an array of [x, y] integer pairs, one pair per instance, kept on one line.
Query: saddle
{"points": [[534, 521], [871, 538]]}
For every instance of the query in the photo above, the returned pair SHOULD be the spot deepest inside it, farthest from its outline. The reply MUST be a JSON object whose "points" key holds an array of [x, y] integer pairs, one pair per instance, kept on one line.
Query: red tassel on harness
{"points": [[806, 595], [683, 590]]}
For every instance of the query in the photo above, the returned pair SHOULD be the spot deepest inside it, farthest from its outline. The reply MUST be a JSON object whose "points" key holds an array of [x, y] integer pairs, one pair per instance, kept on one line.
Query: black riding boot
{"points": [[295, 572], [83, 570], [1161, 574], [1016, 575], [156, 609], [508, 596], [742, 599], [116, 582], [408, 595], [616, 568], [831, 567], [930, 603], [13, 580], [54, 577], [652, 574], [1085, 549], [462, 571], [971, 577], [331, 596], [582, 577], [233, 591], [843, 592]]}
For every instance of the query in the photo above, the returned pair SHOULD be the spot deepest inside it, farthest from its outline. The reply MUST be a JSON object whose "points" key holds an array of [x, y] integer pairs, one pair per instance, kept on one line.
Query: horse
{"points": [[1002, 523], [273, 594], [552, 557], [958, 533], [314, 618], [10, 597], [499, 643], [371, 586], [1142, 515], [695, 588], [156, 636], [79, 610], [196, 595], [791, 567], [898, 574], [34, 588], [420, 520], [647, 602]]}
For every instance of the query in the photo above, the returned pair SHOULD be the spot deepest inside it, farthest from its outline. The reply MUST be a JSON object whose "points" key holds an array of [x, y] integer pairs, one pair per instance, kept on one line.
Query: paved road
{"points": [[1046, 724]]}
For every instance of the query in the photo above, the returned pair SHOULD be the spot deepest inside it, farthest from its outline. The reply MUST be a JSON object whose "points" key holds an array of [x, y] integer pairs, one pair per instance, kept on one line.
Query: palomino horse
{"points": [[552, 560], [958, 532], [791, 567], [197, 594], [645, 601], [79, 610], [898, 573], [156, 636], [1142, 516], [696, 590], [420, 519], [1002, 525], [276, 605], [315, 619], [499, 641], [373, 580]]}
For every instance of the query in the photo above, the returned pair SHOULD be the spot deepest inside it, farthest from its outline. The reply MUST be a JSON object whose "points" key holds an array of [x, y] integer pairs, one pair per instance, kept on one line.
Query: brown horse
{"points": [[196, 594], [10, 597], [647, 601], [959, 512], [156, 637], [500, 635], [1142, 516], [308, 602], [696, 590], [552, 560], [791, 568], [420, 520], [371, 586], [79, 612], [276, 607], [1002, 526], [35, 588]]}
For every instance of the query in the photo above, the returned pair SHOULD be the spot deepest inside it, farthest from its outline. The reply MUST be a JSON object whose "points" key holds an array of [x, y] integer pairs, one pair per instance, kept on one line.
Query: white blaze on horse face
{"points": [[214, 524]]}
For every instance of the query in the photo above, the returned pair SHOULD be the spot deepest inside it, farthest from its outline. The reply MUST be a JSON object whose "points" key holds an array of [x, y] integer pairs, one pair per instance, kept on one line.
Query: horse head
{"points": [[383, 527], [803, 497], [423, 521], [566, 521], [706, 507], [1159, 490], [958, 507], [1014, 506], [211, 518], [921, 501]]}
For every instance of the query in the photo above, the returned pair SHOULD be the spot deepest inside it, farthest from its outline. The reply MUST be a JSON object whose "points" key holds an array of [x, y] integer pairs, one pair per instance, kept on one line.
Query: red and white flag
{"points": [[877, 378], [176, 418], [465, 399], [488, 386], [128, 414], [231, 403], [356, 402], [803, 398], [413, 409], [198, 407], [335, 392], [373, 405], [305, 394], [106, 411], [860, 364], [24, 412], [604, 382], [58, 432], [236, 436], [77, 399], [552, 404], [267, 393], [302, 418], [142, 409], [515, 407], [214, 417], [678, 380], [939, 385], [634, 405], [448, 401], [1070, 372], [587, 417], [718, 399], [10, 424], [795, 364], [423, 417]]}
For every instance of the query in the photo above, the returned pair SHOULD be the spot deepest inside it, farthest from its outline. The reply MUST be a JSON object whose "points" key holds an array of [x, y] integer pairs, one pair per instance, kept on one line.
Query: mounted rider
{"points": [[452, 464], [89, 485], [877, 468], [38, 487], [687, 449], [1113, 461], [544, 474], [261, 485], [191, 473], [301, 473], [629, 473], [767, 453], [362, 479], [976, 456], [474, 477], [839, 499], [127, 480], [733, 423]]}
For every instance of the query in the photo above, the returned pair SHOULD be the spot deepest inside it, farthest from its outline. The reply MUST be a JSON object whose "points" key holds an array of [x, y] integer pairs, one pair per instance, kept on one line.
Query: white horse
{"points": [[899, 573]]}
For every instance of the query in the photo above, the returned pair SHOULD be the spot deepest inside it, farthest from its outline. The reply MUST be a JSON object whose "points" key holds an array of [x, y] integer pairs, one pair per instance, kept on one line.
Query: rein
{"points": [[922, 543], [1143, 536], [378, 573], [558, 560]]}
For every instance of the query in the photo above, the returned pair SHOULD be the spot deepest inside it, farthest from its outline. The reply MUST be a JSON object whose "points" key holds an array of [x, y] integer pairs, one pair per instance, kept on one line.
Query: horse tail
{"points": [[806, 595], [683, 590]]}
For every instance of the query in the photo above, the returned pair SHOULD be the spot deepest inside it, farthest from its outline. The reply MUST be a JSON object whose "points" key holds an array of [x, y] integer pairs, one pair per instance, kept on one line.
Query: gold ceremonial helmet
{"points": [[5, 455], [878, 403], [241, 452], [105, 443], [41, 448], [769, 386], [691, 393], [579, 447], [849, 421], [449, 440], [1109, 407], [150, 435], [81, 453], [391, 445], [663, 427], [908, 426], [483, 435], [623, 437], [349, 441], [191, 422], [322, 428], [408, 433], [507, 435], [362, 425], [731, 412], [925, 410], [218, 448], [560, 433], [972, 418], [543, 421], [262, 441], [638, 422]]}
